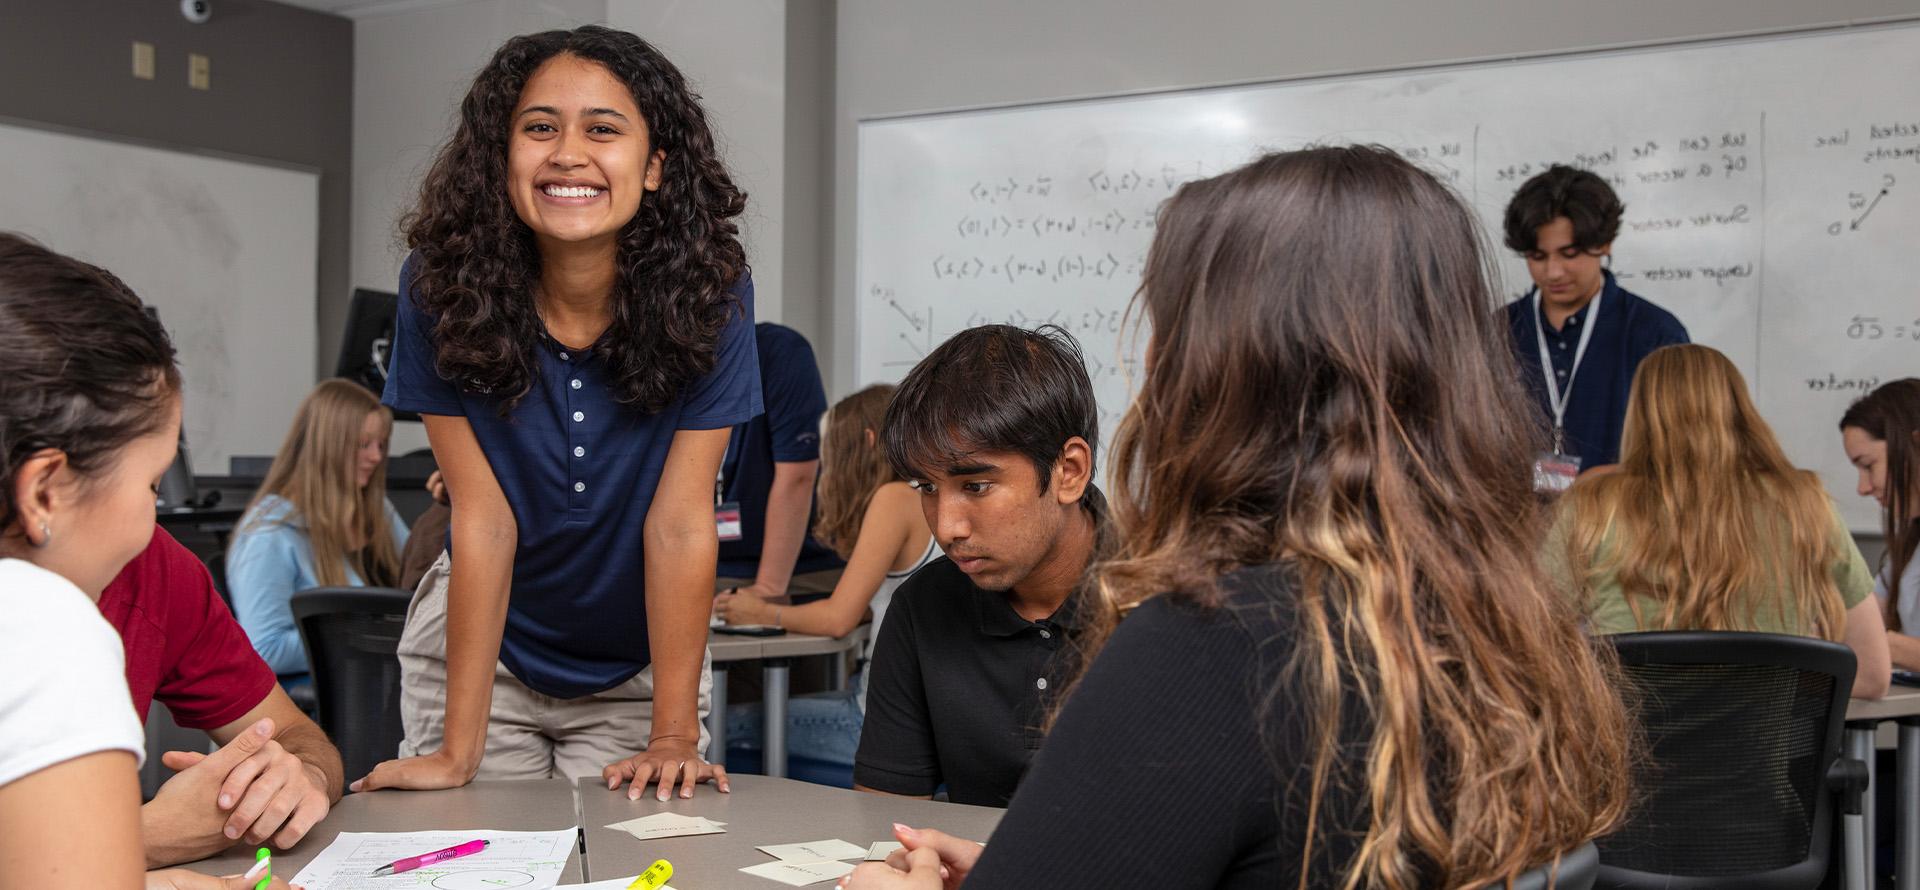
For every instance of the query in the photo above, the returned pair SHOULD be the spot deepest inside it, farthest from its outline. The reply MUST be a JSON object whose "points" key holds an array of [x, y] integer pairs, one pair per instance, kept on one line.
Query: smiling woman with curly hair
{"points": [[576, 327]]}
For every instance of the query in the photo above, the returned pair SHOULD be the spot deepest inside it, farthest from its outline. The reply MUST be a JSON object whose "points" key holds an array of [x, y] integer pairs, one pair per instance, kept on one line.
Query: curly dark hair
{"points": [[475, 262], [1579, 195], [84, 368]]}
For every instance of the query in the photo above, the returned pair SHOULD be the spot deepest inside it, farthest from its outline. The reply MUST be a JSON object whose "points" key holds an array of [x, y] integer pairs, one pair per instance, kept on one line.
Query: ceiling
{"points": [[360, 8]]}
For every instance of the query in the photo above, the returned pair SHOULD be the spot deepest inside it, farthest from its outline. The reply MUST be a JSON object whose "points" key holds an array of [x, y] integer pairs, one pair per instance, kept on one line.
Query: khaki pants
{"points": [[529, 735]]}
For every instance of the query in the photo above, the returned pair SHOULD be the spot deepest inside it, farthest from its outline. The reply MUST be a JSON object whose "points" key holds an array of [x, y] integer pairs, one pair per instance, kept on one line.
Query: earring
{"points": [[46, 536]]}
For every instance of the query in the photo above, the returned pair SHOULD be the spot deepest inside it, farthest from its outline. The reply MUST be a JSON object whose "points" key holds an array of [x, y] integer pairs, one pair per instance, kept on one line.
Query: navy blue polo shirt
{"points": [[1625, 331], [579, 470], [788, 432]]}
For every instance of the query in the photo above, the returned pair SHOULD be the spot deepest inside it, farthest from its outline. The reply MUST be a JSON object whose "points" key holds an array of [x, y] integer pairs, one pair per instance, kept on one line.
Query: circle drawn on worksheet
{"points": [[486, 879]]}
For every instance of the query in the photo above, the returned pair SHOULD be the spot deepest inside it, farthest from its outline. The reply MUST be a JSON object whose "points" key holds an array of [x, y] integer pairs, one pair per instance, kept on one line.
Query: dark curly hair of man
{"points": [[475, 263]]}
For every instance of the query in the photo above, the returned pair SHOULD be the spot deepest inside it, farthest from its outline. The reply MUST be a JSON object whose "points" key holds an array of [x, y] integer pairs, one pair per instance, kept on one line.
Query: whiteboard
{"points": [[227, 251], [1772, 189]]}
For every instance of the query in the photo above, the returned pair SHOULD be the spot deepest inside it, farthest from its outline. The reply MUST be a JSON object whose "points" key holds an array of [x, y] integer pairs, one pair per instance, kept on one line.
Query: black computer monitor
{"points": [[366, 347], [176, 486]]}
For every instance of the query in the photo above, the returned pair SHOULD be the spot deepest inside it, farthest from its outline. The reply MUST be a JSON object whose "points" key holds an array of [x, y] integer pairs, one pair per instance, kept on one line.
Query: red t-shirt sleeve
{"points": [[210, 675]]}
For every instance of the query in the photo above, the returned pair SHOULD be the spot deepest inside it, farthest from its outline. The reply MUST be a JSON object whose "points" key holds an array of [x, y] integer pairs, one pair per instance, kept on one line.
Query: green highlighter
{"points": [[262, 868]]}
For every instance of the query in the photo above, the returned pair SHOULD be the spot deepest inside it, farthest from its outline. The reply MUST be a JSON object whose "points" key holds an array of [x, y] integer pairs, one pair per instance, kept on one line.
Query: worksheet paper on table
{"points": [[513, 860]]}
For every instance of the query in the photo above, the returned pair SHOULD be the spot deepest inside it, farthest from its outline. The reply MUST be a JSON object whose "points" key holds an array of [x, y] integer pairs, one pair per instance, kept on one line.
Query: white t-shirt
{"points": [[883, 598], [1909, 606], [63, 681]]}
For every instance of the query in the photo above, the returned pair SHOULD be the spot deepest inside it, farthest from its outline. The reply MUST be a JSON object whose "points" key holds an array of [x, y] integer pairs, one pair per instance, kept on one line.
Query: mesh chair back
{"points": [[352, 635], [1740, 729]]}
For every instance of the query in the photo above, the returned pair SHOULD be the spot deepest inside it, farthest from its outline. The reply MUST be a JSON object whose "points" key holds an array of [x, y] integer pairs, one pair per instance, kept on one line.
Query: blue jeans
{"points": [[824, 726]]}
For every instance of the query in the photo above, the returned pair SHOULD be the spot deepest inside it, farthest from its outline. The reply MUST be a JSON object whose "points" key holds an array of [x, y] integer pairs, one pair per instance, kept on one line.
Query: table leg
{"points": [[1860, 840], [717, 717], [837, 672], [1906, 869], [774, 735]]}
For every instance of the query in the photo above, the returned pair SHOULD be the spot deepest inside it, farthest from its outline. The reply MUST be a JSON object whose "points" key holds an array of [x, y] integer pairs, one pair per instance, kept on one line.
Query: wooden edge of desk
{"points": [[1901, 701]]}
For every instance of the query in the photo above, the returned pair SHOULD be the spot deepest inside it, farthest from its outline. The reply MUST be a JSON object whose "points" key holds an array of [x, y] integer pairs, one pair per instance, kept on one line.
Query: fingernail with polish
{"points": [[904, 830]]}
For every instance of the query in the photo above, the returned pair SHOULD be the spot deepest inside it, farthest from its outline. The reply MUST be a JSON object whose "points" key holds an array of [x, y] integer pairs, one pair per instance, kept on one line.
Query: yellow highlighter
{"points": [[655, 875]]}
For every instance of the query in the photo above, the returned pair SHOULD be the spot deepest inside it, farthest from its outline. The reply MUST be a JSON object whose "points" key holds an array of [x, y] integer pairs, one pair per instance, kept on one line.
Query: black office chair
{"points": [[1742, 768], [1574, 871], [352, 635]]}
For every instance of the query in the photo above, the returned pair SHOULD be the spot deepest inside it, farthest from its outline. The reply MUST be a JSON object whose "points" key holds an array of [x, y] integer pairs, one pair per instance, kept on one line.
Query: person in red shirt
{"points": [[185, 649]]}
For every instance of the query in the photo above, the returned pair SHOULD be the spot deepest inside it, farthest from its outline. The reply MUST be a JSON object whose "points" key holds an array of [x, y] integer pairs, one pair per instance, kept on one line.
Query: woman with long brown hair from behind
{"points": [[1708, 526], [320, 519], [1345, 668]]}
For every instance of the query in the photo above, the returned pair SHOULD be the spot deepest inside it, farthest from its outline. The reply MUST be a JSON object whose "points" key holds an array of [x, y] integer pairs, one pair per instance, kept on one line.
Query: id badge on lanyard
{"points": [[1554, 471]]}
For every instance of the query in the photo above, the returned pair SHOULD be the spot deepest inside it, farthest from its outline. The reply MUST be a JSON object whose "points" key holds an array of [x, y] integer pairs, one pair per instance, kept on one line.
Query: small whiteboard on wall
{"points": [[1772, 189], [226, 251]]}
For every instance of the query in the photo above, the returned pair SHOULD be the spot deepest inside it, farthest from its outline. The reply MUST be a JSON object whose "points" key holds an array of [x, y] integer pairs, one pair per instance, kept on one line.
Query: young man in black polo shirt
{"points": [[997, 429]]}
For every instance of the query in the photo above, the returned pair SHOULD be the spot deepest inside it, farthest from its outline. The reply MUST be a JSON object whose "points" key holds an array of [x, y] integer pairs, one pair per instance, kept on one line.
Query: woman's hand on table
{"points": [[428, 772], [668, 761], [739, 606]]}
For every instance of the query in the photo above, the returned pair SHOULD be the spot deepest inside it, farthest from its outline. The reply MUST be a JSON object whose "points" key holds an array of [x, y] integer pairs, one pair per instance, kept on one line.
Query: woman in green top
{"points": [[1706, 526]]}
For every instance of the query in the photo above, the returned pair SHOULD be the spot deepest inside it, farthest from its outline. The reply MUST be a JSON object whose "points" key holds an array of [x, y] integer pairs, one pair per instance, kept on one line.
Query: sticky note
{"points": [[814, 851], [800, 874]]}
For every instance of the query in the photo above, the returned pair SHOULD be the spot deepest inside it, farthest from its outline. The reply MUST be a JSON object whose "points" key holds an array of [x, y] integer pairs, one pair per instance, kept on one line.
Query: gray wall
{"points": [[411, 69], [733, 54], [901, 56], [281, 91], [809, 167]]}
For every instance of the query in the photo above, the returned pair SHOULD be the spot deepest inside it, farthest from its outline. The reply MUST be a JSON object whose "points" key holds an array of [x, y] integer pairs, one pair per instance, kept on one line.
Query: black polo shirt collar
{"points": [[996, 617]]}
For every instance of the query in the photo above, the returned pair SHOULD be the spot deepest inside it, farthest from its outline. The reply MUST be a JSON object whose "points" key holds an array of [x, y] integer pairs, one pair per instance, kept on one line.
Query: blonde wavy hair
{"points": [[1706, 511], [852, 468], [1328, 388], [345, 523]]}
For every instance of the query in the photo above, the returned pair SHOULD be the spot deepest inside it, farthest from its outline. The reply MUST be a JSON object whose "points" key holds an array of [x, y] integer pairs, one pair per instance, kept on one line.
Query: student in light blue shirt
{"points": [[321, 519]]}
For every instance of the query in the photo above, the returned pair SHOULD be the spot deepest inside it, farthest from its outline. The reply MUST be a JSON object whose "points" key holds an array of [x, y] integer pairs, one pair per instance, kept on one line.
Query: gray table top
{"points": [[734, 647], [760, 811], [1901, 701], [531, 805]]}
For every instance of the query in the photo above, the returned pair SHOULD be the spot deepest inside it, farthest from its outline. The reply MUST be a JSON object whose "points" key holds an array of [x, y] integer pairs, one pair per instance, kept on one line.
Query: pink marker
{"points": [[412, 862]]}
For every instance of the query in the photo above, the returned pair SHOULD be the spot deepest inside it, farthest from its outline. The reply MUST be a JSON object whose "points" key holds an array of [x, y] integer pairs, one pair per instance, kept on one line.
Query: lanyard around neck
{"points": [[1556, 398]]}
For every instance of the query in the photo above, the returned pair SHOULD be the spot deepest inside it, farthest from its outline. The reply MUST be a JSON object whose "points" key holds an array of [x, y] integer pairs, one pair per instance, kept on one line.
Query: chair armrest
{"points": [[1848, 778]]}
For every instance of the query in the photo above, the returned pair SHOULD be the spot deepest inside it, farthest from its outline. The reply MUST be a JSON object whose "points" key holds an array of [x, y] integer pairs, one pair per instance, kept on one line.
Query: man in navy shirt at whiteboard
{"points": [[1578, 334], [767, 479]]}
